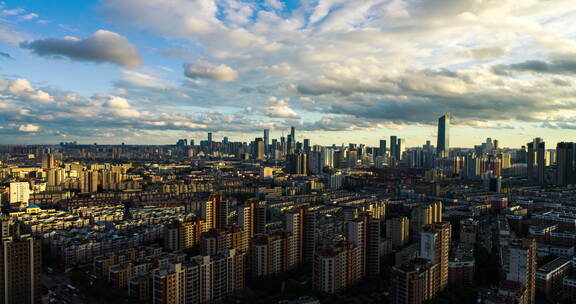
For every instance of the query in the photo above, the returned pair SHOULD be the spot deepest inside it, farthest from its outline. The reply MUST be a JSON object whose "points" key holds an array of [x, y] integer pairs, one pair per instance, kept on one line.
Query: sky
{"points": [[340, 71]]}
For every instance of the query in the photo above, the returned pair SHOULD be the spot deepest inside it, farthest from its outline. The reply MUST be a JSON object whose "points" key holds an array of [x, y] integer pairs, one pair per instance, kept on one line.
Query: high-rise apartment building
{"points": [[203, 280], [398, 231], [273, 254], [443, 144], [183, 235], [48, 161], [336, 267], [364, 232], [425, 215], [435, 247], [301, 222], [252, 218], [20, 193], [521, 266], [413, 282], [21, 266]]}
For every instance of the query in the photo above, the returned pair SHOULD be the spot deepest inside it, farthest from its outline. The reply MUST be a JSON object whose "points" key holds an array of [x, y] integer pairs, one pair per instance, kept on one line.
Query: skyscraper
{"points": [[443, 145], [293, 133], [266, 141], [259, 149], [382, 150], [566, 158], [393, 143]]}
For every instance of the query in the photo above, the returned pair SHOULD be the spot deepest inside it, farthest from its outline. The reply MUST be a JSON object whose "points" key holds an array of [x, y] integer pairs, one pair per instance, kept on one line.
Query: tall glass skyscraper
{"points": [[443, 146]]}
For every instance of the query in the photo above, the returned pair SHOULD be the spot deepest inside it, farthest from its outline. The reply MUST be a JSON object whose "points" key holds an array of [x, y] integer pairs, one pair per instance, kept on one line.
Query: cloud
{"points": [[120, 107], [102, 46], [133, 79], [203, 70], [29, 16], [19, 86], [29, 128], [6, 55], [279, 109], [22, 88], [538, 66], [174, 52]]}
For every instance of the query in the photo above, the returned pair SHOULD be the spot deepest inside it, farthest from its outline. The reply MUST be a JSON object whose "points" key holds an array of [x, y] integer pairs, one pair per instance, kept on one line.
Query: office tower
{"points": [[393, 149], [290, 145], [400, 148], [521, 266], [209, 143], [336, 267], [252, 218], [315, 162], [20, 193], [443, 145], [534, 157], [297, 163], [398, 231], [435, 247], [259, 149], [530, 161], [306, 145], [293, 134], [183, 235], [48, 161], [21, 266], [541, 162], [339, 159], [266, 141], [413, 282], [382, 149], [351, 158], [566, 159]]}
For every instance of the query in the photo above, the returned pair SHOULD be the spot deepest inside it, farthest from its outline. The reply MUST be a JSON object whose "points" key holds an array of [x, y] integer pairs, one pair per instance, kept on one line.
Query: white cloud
{"points": [[29, 128], [221, 73], [39, 96], [279, 109], [19, 86], [140, 80], [120, 107], [29, 16]]}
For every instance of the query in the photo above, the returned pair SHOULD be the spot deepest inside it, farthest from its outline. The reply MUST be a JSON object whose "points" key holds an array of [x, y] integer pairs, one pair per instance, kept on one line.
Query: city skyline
{"points": [[151, 72]]}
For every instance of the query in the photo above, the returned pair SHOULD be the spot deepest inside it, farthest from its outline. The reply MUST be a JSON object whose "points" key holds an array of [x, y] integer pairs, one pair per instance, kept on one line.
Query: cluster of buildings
{"points": [[191, 223]]}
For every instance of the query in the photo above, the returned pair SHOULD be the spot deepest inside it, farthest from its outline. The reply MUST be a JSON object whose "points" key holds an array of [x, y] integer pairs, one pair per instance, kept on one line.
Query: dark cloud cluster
{"points": [[102, 46]]}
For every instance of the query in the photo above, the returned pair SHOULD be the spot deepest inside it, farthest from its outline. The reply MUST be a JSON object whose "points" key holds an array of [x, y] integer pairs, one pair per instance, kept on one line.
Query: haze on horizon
{"points": [[153, 71]]}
